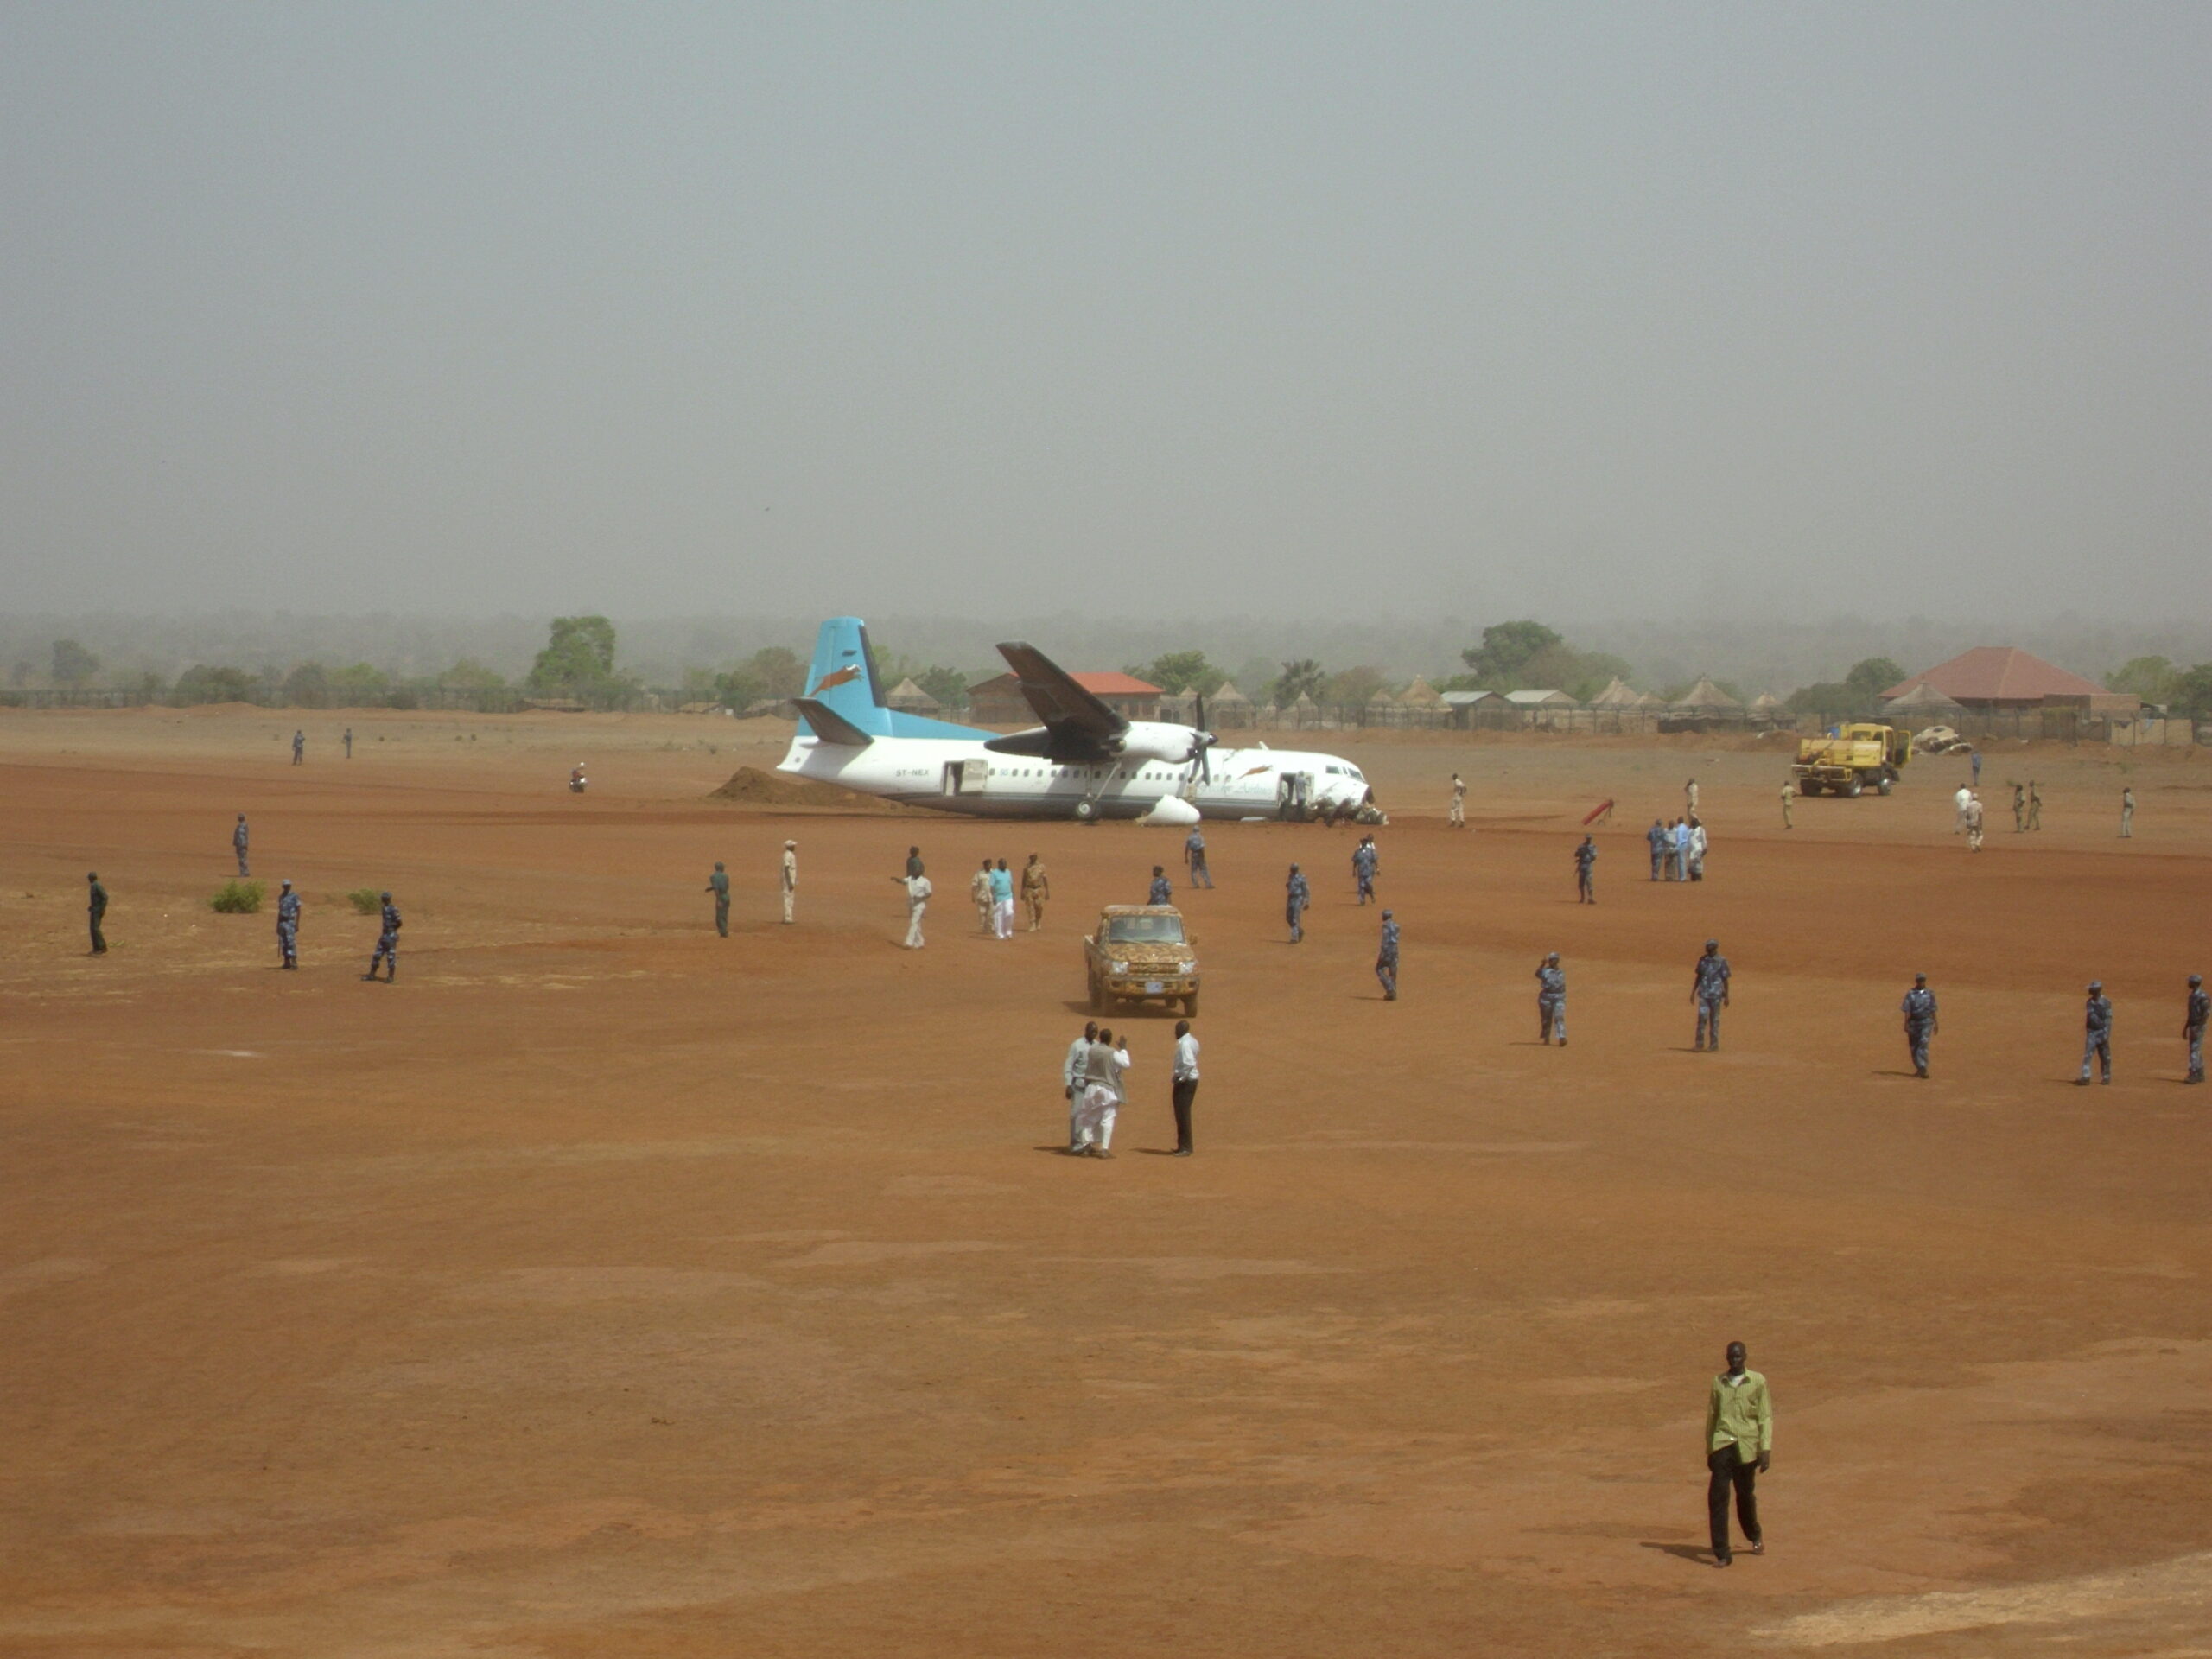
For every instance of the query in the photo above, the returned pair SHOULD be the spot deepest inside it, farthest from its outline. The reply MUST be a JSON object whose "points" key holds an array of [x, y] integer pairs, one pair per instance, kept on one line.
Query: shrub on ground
{"points": [[236, 898]]}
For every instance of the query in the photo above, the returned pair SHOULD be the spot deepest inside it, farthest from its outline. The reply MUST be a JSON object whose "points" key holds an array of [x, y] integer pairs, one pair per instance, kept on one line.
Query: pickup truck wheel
{"points": [[1190, 1006]]}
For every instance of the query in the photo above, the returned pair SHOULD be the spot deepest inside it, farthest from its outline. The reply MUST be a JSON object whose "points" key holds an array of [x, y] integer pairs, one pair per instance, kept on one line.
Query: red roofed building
{"points": [[999, 702], [1989, 678]]}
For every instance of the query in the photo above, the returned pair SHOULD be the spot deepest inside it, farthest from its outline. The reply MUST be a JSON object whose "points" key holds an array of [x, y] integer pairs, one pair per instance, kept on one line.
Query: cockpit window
{"points": [[1145, 930]]}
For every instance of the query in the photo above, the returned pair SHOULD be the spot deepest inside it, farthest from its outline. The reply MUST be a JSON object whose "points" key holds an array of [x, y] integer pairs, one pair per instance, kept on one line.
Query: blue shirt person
{"points": [[237, 845], [1709, 990], [1365, 861], [287, 925], [387, 951], [1296, 896], [1194, 854], [2198, 1011], [1656, 835], [1551, 1001], [1386, 959], [2096, 1033], [1163, 891], [1919, 1010], [1586, 856]]}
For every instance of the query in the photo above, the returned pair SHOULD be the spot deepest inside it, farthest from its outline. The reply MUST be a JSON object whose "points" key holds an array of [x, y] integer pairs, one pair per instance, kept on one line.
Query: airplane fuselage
{"points": [[958, 775]]}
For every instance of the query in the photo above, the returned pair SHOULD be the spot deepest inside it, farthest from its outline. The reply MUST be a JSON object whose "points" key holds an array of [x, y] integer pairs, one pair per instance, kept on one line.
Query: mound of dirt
{"points": [[751, 786]]}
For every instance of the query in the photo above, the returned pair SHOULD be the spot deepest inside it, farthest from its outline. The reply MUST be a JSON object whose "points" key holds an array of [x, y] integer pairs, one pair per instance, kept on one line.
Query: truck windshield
{"points": [[1145, 930]]}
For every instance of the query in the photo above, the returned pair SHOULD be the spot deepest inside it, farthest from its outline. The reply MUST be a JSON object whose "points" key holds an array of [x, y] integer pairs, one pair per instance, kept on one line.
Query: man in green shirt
{"points": [[718, 884], [1739, 1446]]}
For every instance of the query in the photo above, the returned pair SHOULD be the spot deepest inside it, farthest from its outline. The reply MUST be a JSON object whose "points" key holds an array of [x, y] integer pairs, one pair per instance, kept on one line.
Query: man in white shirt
{"points": [[918, 901], [1103, 1067], [1959, 810], [1697, 849], [1072, 1080], [791, 876], [1184, 1088]]}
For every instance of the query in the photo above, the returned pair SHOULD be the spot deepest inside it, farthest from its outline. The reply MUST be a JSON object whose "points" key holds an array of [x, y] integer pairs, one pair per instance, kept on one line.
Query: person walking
{"points": [[239, 844], [1682, 850], [1697, 844], [1689, 797], [1739, 1449], [1709, 990], [718, 884], [2019, 809], [1551, 1001], [1162, 891], [299, 749], [287, 925], [1072, 1072], [1036, 888], [1789, 799], [2127, 814], [96, 910], [1194, 858], [1919, 1011], [788, 881], [1974, 763], [1458, 816], [1585, 883], [1386, 959], [1296, 896], [1659, 841], [1183, 1087], [979, 895], [2096, 1033], [1002, 900], [2196, 1011], [918, 901], [2035, 806], [1959, 810], [1095, 1110], [1365, 861], [913, 862], [349, 742], [1973, 824], [387, 951]]}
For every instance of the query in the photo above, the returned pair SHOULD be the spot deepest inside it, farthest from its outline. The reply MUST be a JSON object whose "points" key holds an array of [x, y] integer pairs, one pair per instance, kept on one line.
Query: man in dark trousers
{"points": [[1184, 1088], [237, 845], [718, 884], [1586, 859], [1709, 990], [287, 925], [1194, 855], [2096, 1033], [1386, 959], [1162, 891], [1919, 1010], [2196, 1012], [96, 911], [1739, 1449]]}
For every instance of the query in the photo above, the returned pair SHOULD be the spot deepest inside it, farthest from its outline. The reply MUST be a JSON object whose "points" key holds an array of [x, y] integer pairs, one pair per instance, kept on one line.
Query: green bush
{"points": [[236, 898], [368, 900]]}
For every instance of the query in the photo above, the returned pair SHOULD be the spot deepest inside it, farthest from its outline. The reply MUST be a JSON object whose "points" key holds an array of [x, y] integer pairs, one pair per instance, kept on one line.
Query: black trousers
{"points": [[1729, 1469], [1186, 1096]]}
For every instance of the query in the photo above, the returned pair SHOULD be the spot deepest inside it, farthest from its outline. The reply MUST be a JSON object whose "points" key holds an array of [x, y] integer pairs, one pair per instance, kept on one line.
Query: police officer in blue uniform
{"points": [[1365, 860], [1551, 1001], [1295, 897], [1386, 959], [288, 924], [1660, 841], [2192, 1027], [1162, 891], [1586, 887], [1194, 854], [2096, 1033], [387, 951], [1919, 1010], [237, 845], [1709, 990]]}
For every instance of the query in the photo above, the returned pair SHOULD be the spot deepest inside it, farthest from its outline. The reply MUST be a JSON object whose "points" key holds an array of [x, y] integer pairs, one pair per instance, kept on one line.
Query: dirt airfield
{"points": [[603, 1287]]}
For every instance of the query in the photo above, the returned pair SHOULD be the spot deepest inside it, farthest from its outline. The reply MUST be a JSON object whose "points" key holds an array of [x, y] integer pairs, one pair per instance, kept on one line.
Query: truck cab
{"points": [[1141, 953], [1852, 759]]}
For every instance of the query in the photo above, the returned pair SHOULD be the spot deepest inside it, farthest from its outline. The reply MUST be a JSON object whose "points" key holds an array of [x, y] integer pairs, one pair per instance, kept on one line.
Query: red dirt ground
{"points": [[605, 1287]]}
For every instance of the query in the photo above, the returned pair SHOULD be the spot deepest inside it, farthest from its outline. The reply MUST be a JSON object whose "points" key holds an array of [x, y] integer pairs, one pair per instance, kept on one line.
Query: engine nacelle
{"points": [[1170, 812], [1153, 740]]}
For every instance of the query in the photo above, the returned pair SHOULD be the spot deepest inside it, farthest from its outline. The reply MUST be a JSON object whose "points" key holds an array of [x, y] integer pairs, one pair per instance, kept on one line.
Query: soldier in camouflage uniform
{"points": [[2096, 1033], [2192, 1025], [387, 951], [1709, 990], [288, 924], [1386, 959], [1551, 1001]]}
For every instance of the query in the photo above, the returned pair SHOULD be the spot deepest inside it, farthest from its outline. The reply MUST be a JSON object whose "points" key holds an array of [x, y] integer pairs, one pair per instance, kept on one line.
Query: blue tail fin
{"points": [[842, 679]]}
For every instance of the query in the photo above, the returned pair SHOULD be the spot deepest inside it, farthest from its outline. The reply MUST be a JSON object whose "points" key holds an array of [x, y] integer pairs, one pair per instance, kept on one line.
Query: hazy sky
{"points": [[1605, 311]]}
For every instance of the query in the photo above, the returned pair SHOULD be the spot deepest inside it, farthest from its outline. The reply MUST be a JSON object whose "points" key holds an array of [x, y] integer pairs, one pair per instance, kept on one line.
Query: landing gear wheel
{"points": [[1085, 811]]}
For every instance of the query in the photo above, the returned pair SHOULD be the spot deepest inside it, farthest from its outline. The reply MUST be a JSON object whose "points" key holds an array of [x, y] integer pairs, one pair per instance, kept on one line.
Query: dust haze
{"points": [[1648, 321]]}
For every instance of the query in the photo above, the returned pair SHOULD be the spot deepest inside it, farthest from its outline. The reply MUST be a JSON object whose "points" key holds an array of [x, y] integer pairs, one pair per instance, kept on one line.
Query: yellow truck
{"points": [[1140, 953], [1852, 759]]}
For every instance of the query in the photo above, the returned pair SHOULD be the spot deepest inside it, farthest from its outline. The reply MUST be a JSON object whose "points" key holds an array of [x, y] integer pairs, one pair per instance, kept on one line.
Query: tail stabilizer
{"points": [[829, 726], [841, 679]]}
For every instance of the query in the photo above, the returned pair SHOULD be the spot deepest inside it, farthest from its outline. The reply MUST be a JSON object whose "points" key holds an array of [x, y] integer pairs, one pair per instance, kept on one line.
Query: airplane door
{"points": [[966, 776], [1293, 790]]}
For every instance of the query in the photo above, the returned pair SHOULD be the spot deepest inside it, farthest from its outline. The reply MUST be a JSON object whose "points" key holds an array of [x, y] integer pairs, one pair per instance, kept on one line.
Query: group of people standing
{"points": [[1094, 1079], [992, 889], [1677, 848]]}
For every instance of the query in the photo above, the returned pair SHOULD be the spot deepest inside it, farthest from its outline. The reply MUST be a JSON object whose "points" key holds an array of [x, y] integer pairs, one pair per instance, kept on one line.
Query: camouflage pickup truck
{"points": [[1140, 953]]}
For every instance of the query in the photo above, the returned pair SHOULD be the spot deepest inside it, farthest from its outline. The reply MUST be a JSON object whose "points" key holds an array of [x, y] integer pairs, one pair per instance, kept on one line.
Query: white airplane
{"points": [[1085, 762]]}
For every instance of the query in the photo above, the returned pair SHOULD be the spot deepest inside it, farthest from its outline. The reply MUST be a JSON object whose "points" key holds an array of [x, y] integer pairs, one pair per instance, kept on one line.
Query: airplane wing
{"points": [[1069, 713]]}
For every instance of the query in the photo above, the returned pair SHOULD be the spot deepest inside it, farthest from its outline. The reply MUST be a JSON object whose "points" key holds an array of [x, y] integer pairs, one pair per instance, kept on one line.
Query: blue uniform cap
{"points": [[2096, 984]]}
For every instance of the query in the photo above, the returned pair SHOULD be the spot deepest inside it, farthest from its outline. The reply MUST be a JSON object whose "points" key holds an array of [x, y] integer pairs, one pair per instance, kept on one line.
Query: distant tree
{"points": [[782, 671], [1823, 697], [203, 683], [1353, 686], [72, 664], [308, 686], [469, 674], [1871, 676], [1302, 676], [1178, 672], [2191, 692], [358, 685], [1256, 679], [2150, 679], [947, 685], [578, 660], [1501, 659]]}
